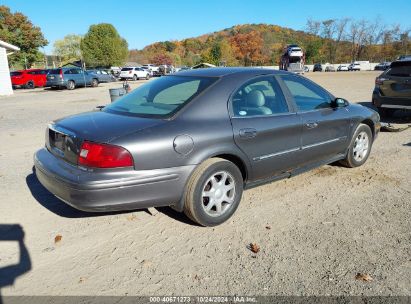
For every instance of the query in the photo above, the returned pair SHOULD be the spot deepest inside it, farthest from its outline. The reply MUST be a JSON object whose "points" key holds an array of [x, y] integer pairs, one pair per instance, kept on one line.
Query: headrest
{"points": [[255, 99]]}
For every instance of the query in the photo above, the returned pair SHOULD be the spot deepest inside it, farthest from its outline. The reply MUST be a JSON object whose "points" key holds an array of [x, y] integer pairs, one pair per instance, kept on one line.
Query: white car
{"points": [[295, 52], [342, 67], [355, 66], [150, 71], [151, 67], [134, 73]]}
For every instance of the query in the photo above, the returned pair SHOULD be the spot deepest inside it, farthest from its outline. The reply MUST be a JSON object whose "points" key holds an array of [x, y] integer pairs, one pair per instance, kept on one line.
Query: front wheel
{"points": [[71, 85], [30, 85], [135, 77], [360, 147], [147, 77], [94, 82], [213, 192]]}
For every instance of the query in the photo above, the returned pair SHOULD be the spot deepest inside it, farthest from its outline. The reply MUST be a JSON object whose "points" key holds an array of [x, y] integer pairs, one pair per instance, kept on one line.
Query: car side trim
{"points": [[395, 106], [323, 142], [262, 157]]}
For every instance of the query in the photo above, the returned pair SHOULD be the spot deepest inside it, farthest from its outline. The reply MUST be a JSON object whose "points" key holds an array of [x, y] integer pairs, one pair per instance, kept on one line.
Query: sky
{"points": [[142, 22]]}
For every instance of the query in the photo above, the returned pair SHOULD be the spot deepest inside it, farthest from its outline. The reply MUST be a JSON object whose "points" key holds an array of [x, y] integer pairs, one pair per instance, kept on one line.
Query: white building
{"points": [[5, 81]]}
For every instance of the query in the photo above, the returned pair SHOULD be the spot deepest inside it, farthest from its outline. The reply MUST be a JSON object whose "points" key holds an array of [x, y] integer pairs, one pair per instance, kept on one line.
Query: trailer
{"points": [[293, 59]]}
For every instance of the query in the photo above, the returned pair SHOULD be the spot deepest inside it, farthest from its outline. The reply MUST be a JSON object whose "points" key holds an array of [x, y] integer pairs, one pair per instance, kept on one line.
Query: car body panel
{"points": [[55, 78], [35, 76], [167, 151]]}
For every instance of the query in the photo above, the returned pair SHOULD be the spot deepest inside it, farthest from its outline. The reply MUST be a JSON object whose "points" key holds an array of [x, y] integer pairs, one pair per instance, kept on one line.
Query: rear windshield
{"points": [[15, 73], [126, 69], [55, 71], [400, 71], [160, 98]]}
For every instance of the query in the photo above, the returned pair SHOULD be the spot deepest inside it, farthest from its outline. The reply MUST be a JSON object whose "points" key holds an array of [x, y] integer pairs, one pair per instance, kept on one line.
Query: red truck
{"points": [[29, 78]]}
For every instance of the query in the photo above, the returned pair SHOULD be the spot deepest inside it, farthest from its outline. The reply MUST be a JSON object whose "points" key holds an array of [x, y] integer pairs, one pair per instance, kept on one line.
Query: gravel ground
{"points": [[316, 231]]}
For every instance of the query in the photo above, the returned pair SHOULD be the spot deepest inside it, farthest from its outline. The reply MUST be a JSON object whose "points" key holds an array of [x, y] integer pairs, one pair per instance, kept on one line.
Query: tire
{"points": [[147, 77], [135, 77], [195, 203], [94, 82], [30, 85], [385, 113], [360, 147], [71, 85]]}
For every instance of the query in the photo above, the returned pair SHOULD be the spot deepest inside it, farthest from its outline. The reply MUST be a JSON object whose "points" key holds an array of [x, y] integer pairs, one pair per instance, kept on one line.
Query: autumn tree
{"points": [[161, 58], [248, 47], [17, 29], [103, 46], [68, 48]]}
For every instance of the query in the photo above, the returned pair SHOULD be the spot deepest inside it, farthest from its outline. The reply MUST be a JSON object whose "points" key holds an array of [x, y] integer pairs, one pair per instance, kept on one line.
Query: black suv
{"points": [[393, 88], [318, 67]]}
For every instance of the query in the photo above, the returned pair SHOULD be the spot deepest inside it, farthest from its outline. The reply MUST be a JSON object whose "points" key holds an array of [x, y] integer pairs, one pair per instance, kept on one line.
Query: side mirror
{"points": [[339, 103]]}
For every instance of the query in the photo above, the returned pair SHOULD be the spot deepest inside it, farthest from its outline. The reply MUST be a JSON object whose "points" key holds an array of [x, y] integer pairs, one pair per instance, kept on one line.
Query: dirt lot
{"points": [[325, 226]]}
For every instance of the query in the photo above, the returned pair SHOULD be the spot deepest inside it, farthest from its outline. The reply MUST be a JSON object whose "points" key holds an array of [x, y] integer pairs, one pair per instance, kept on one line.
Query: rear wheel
{"points": [[71, 85], [135, 77], [30, 85], [213, 192], [360, 147], [147, 77]]}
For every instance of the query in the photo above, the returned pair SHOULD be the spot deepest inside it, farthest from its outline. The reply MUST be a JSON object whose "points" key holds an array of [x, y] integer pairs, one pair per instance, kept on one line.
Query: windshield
{"points": [[161, 97]]}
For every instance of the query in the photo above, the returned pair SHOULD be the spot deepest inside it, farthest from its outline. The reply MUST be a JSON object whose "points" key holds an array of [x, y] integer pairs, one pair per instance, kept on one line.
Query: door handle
{"points": [[311, 124], [248, 132]]}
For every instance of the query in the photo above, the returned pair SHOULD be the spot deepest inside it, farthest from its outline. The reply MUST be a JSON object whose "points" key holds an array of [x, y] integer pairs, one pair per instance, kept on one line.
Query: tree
{"points": [[103, 46], [248, 47], [162, 58], [17, 29], [68, 48]]}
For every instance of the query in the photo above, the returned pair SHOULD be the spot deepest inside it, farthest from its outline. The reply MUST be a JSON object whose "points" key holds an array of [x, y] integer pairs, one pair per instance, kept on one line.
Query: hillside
{"points": [[259, 44]]}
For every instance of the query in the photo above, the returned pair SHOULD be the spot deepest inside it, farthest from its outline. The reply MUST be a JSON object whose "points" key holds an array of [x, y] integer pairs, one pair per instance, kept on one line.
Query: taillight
{"points": [[61, 74], [380, 81], [129, 72], [104, 156]]}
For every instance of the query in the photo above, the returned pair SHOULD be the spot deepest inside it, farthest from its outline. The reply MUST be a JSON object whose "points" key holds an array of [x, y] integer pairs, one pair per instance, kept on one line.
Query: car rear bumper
{"points": [[390, 102], [105, 190], [55, 83]]}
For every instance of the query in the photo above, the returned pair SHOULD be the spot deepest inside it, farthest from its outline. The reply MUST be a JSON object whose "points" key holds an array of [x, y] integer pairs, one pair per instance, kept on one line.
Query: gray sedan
{"points": [[194, 140]]}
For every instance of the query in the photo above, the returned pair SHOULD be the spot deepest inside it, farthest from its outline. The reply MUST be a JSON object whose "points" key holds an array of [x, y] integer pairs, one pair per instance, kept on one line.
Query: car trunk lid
{"points": [[65, 136]]}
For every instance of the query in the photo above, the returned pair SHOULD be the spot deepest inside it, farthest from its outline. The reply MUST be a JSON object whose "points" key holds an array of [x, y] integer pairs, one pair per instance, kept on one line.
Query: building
{"points": [[5, 81]]}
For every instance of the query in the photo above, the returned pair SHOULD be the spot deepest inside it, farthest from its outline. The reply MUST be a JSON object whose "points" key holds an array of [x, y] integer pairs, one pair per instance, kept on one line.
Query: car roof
{"points": [[222, 72]]}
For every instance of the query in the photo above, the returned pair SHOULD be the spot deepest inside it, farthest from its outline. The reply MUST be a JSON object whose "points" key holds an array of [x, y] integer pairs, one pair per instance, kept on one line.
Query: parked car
{"points": [[317, 67], [382, 66], [393, 89], [134, 73], [70, 78], [102, 75], [151, 67], [404, 57], [194, 140], [28, 79], [342, 68], [329, 68], [148, 70], [355, 66]]}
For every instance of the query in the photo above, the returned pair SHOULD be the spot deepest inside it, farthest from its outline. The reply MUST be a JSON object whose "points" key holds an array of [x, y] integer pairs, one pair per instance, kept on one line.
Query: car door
{"points": [[265, 127], [325, 126]]}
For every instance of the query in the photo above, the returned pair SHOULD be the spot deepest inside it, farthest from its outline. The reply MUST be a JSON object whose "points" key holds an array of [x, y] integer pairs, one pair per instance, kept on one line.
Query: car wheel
{"points": [[71, 85], [147, 77], [360, 147], [135, 77], [30, 85], [385, 113], [94, 82], [213, 192]]}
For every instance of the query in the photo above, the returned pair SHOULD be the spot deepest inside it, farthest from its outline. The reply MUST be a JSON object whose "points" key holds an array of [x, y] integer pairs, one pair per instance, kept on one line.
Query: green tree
{"points": [[68, 48], [17, 29], [103, 46]]}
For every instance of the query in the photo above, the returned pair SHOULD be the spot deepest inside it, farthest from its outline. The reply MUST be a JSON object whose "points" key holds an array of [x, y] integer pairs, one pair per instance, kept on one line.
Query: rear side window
{"points": [[400, 71], [126, 69], [307, 95], [16, 73], [261, 96]]}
